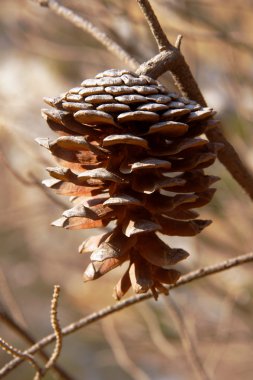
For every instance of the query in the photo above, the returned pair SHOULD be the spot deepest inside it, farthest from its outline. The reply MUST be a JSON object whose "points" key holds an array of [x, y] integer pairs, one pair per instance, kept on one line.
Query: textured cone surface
{"points": [[129, 151]]}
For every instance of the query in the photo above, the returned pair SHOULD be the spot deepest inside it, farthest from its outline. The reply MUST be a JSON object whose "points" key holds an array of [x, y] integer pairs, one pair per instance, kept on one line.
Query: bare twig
{"points": [[120, 352], [154, 25], [187, 343], [172, 60], [58, 335], [56, 327], [88, 27], [21, 355], [192, 276]]}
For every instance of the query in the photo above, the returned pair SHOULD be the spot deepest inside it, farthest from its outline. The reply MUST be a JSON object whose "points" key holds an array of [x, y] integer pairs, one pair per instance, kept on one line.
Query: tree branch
{"points": [[88, 27], [192, 276], [172, 60]]}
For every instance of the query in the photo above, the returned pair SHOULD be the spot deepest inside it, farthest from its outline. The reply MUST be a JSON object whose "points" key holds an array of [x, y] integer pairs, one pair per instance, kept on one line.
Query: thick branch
{"points": [[192, 276]]}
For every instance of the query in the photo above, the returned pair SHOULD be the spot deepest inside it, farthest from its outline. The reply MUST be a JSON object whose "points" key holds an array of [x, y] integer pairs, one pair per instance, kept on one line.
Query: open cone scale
{"points": [[130, 152]]}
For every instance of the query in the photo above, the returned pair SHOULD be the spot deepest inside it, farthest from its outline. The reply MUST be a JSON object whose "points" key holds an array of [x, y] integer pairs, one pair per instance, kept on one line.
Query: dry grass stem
{"points": [[189, 346], [162, 344], [192, 276], [120, 352]]}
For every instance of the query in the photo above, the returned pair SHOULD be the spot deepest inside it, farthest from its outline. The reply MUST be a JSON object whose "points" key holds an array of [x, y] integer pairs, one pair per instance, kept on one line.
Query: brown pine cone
{"points": [[130, 154]]}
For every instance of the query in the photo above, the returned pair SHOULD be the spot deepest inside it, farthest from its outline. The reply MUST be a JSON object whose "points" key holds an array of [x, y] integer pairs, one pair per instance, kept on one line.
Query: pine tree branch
{"points": [[90, 28], [73, 327], [172, 60]]}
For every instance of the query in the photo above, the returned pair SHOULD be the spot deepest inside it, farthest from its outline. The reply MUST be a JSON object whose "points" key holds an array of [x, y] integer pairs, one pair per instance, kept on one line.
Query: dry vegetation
{"points": [[203, 330]]}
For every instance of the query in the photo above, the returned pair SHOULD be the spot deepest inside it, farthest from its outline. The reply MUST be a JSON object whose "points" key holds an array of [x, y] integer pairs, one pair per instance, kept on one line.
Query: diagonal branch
{"points": [[21, 355], [192, 276], [90, 28], [154, 25]]}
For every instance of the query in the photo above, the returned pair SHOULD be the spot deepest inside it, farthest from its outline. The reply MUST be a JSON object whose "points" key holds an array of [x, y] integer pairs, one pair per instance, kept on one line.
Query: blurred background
{"points": [[44, 55]]}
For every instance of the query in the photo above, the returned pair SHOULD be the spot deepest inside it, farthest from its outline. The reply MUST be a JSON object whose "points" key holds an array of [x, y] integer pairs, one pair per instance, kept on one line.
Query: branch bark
{"points": [[192, 276]]}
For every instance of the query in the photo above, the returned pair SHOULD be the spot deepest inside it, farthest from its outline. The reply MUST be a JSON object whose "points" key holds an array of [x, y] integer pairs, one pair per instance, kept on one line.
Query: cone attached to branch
{"points": [[130, 153]]}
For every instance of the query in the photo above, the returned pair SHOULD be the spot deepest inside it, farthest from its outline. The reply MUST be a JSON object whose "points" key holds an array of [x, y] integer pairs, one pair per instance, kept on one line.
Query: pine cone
{"points": [[129, 152]]}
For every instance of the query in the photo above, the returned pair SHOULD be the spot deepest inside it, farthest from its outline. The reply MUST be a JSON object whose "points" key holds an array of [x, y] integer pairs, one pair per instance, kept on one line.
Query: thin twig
{"points": [[192, 276], [56, 327], [9, 299], [154, 25], [88, 27], [187, 343], [21, 355], [172, 60], [58, 334], [120, 352]]}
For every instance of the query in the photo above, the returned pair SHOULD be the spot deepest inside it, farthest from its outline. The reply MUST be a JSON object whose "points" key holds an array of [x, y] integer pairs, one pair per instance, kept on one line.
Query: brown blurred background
{"points": [[43, 55]]}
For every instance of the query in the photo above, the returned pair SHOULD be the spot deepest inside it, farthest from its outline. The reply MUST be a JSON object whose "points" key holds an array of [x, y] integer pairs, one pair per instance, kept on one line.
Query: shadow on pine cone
{"points": [[130, 153]]}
